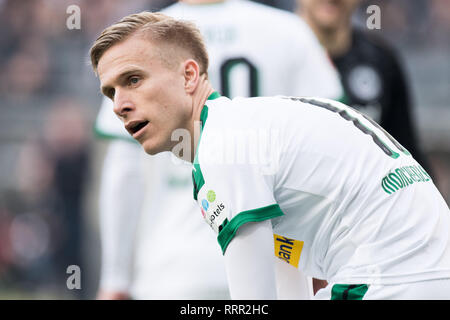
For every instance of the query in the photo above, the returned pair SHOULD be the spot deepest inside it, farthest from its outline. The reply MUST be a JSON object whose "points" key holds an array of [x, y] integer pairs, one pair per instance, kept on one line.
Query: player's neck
{"points": [[203, 91], [336, 41]]}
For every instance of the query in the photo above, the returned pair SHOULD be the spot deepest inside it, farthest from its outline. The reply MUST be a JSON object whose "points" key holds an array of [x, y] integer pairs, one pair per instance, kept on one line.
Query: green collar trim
{"points": [[197, 175], [203, 117], [214, 95], [204, 113]]}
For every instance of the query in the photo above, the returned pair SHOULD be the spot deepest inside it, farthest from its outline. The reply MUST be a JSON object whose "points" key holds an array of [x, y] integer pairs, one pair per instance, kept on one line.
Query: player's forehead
{"points": [[133, 53]]}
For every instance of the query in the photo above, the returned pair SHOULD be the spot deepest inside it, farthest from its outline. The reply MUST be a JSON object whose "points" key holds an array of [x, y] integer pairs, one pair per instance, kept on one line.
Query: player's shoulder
{"points": [[260, 8], [287, 26], [172, 7], [245, 9], [272, 17], [280, 25], [253, 106], [247, 112], [224, 103]]}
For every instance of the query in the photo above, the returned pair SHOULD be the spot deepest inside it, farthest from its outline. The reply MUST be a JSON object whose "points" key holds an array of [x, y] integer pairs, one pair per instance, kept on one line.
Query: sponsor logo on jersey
{"points": [[288, 249], [213, 209], [205, 204], [216, 213], [402, 177], [211, 196], [203, 212]]}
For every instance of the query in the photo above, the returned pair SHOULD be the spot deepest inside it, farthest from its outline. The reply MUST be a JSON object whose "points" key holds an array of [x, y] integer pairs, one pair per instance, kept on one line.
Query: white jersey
{"points": [[254, 50], [347, 203]]}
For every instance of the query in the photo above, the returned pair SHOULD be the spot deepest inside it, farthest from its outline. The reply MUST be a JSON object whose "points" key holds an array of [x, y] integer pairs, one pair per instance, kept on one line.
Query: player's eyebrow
{"points": [[125, 74]]}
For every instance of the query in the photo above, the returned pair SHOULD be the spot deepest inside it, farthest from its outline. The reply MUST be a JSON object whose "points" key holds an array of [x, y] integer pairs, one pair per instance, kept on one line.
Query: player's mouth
{"points": [[136, 128]]}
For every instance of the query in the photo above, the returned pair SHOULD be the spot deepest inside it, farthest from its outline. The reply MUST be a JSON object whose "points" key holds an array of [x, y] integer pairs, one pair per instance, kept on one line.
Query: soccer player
{"points": [[348, 203], [261, 51], [372, 76]]}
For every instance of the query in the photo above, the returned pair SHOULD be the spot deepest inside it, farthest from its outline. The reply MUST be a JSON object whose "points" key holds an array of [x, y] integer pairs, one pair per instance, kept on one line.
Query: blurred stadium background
{"points": [[50, 158]]}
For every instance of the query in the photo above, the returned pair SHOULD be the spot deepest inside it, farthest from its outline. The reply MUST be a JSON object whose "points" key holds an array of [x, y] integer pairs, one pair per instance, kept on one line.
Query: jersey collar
{"points": [[204, 113], [197, 176], [214, 95]]}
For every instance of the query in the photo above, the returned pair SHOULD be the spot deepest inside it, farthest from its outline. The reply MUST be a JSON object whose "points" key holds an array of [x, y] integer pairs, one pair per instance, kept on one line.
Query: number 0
{"points": [[225, 70]]}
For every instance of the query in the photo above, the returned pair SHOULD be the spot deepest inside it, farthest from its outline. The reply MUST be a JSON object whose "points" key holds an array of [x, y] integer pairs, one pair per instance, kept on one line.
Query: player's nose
{"points": [[122, 105]]}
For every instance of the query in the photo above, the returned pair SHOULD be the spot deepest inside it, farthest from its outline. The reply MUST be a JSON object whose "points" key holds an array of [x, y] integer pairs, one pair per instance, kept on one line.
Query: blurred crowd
{"points": [[49, 98]]}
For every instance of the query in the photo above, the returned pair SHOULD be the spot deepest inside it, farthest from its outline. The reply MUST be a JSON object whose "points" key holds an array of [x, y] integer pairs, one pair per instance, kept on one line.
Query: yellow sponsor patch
{"points": [[288, 249]]}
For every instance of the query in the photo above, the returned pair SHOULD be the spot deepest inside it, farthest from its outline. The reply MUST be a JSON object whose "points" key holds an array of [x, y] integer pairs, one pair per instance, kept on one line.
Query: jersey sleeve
{"points": [[230, 195], [250, 264]]}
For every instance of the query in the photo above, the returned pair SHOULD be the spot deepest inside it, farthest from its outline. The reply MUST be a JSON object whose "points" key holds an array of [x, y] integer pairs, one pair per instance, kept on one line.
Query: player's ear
{"points": [[191, 75]]}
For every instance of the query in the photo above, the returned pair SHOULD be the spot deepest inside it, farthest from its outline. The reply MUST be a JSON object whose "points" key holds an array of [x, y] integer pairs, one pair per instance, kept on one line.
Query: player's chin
{"points": [[150, 147]]}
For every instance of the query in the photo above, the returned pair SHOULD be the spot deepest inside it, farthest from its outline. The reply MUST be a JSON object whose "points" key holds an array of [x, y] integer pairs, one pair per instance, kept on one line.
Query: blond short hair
{"points": [[158, 28]]}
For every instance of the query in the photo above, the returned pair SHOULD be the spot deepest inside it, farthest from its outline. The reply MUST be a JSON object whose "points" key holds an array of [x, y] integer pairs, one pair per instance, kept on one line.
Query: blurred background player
{"points": [[371, 73], [155, 248]]}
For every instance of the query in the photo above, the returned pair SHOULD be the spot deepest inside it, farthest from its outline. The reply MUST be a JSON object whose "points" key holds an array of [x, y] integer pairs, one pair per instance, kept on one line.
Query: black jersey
{"points": [[375, 84]]}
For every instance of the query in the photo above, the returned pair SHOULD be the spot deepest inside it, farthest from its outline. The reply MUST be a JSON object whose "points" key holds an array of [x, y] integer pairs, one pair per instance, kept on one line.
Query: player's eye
{"points": [[133, 80]]}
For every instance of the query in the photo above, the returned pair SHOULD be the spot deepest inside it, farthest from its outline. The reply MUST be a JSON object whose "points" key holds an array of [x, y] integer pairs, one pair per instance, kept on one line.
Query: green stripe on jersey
{"points": [[255, 215], [348, 291]]}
